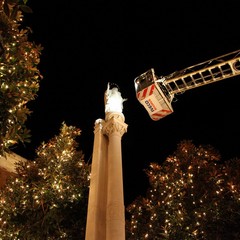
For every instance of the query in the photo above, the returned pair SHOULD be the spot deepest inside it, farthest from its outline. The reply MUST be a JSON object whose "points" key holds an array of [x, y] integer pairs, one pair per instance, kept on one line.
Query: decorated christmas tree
{"points": [[192, 195], [47, 199], [19, 75]]}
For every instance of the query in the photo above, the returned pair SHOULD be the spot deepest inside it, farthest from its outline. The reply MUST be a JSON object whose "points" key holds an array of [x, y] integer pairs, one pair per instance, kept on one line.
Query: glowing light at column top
{"points": [[113, 100]]}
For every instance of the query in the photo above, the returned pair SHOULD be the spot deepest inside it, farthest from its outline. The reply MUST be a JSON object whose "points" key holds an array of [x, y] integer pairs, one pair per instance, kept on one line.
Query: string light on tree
{"points": [[192, 195], [19, 75], [50, 191]]}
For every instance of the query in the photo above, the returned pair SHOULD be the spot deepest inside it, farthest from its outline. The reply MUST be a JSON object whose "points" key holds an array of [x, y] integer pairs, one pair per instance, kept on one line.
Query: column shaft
{"points": [[114, 128], [96, 216], [115, 200]]}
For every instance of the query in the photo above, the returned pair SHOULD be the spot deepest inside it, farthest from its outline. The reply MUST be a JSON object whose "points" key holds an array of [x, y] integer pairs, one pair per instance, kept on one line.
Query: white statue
{"points": [[113, 100]]}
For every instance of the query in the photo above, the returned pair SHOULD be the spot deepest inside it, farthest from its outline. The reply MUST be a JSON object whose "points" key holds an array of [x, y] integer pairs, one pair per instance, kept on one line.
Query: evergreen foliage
{"points": [[192, 195], [19, 75], [47, 199]]}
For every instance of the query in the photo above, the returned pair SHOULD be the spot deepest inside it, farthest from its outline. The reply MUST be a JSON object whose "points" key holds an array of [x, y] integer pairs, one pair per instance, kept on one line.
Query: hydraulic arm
{"points": [[156, 93]]}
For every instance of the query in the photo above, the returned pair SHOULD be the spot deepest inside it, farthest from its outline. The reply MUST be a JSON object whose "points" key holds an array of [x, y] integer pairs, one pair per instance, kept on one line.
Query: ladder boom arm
{"points": [[156, 93], [201, 74]]}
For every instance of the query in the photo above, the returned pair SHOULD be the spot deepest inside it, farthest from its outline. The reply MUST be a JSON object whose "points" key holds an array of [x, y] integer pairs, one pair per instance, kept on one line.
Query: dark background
{"points": [[90, 43]]}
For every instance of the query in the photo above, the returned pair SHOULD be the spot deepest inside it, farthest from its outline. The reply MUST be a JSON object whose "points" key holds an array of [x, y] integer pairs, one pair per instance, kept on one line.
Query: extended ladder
{"points": [[204, 73]]}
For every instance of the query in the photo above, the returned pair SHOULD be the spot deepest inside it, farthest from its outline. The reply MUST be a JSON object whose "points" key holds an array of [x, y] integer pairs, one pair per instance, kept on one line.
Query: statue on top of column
{"points": [[113, 100]]}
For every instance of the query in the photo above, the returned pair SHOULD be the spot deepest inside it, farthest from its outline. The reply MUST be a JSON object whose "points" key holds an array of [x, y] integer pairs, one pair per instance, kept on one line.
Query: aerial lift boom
{"points": [[157, 93]]}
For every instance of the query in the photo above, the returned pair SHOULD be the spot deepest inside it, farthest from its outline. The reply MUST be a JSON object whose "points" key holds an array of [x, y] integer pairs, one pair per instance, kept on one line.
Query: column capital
{"points": [[115, 124], [98, 125]]}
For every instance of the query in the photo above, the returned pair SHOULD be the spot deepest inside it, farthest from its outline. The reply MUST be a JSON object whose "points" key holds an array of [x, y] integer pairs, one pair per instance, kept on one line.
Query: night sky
{"points": [[90, 43]]}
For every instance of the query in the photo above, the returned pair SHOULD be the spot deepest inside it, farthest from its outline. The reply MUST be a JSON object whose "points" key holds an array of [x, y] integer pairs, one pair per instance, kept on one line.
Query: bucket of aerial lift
{"points": [[153, 95]]}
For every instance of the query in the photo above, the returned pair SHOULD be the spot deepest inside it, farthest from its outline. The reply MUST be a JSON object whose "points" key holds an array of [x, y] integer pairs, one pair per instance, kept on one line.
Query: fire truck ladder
{"points": [[213, 70]]}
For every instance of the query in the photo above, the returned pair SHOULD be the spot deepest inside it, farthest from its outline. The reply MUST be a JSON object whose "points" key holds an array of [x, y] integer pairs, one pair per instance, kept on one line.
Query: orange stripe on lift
{"points": [[157, 117], [165, 110], [144, 92], [159, 114], [151, 89]]}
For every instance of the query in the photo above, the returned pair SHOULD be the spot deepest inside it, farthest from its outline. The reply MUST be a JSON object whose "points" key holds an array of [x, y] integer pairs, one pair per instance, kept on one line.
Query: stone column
{"points": [[106, 211], [96, 216], [114, 128]]}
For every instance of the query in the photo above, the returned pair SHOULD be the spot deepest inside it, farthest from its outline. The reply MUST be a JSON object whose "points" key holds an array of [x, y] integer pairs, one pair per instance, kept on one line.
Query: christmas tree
{"points": [[192, 195], [19, 75], [47, 199]]}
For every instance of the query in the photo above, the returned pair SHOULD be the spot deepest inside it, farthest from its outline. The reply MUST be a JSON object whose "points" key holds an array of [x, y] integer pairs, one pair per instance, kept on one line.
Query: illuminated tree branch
{"points": [[19, 75]]}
